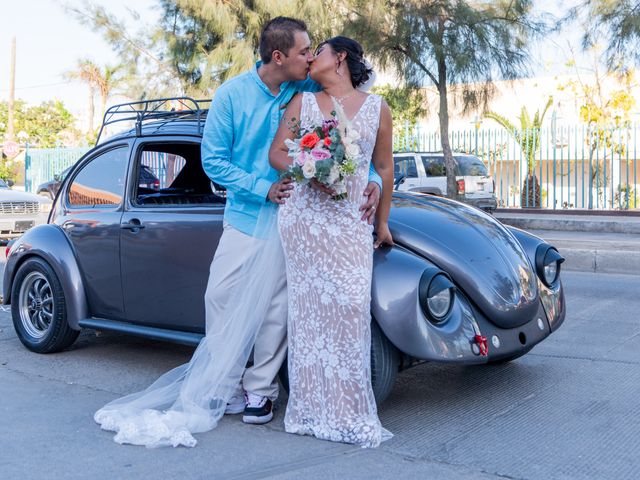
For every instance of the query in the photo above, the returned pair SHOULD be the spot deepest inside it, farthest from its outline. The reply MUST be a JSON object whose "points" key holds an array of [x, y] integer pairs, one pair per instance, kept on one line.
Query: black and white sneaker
{"points": [[259, 409]]}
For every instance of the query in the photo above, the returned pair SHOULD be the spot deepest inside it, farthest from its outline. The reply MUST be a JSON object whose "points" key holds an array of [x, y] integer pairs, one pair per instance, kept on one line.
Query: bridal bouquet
{"points": [[327, 153]]}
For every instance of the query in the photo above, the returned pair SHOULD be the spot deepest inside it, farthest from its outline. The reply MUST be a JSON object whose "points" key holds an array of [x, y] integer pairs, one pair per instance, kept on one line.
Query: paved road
{"points": [[569, 409]]}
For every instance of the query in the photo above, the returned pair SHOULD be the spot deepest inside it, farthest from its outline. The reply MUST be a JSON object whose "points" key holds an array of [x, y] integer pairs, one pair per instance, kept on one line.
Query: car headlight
{"points": [[45, 207], [437, 294], [548, 262]]}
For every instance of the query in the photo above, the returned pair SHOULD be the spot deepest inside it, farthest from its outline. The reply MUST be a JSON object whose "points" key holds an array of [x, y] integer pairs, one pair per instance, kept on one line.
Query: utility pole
{"points": [[12, 90]]}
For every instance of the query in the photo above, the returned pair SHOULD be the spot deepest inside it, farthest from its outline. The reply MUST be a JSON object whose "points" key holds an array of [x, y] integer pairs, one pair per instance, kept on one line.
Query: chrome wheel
{"points": [[36, 304]]}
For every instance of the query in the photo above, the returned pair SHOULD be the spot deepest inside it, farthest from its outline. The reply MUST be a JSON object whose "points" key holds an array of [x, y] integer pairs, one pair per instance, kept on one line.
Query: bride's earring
{"points": [[338, 71]]}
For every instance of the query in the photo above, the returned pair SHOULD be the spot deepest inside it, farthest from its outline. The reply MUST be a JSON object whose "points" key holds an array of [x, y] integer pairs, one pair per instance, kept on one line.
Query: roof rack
{"points": [[154, 109]]}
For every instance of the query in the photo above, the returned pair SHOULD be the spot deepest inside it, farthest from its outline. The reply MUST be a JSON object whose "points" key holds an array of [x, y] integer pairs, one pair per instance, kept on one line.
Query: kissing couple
{"points": [[292, 273]]}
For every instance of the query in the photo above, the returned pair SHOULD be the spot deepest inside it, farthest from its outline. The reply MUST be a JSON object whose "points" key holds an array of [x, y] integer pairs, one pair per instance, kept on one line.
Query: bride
{"points": [[329, 256]]}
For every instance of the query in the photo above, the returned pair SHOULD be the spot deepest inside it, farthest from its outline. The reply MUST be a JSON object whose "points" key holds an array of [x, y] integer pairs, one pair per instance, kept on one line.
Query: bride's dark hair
{"points": [[360, 72]]}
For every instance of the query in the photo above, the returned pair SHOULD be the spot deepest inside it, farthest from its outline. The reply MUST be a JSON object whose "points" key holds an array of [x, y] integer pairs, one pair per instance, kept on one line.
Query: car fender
{"points": [[396, 307], [50, 243]]}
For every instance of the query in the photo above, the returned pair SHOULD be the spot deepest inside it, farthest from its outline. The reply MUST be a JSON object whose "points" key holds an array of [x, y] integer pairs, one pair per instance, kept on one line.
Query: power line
{"points": [[37, 86]]}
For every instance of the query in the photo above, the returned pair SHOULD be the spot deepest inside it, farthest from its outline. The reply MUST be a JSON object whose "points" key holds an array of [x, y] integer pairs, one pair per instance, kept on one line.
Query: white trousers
{"points": [[270, 348]]}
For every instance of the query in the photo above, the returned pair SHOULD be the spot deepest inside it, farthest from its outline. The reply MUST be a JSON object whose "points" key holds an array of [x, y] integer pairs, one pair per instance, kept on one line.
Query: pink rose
{"points": [[320, 154]]}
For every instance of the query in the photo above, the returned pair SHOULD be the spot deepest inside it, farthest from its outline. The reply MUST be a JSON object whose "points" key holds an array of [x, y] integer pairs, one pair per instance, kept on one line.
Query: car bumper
{"points": [[483, 203], [13, 227]]}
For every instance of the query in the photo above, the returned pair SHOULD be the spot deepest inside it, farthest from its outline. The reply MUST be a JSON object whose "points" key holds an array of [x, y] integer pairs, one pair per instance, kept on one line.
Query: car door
{"points": [[91, 211], [170, 230], [405, 164]]}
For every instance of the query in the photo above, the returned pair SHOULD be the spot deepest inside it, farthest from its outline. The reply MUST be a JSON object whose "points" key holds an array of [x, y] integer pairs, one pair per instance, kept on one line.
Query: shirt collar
{"points": [[262, 85]]}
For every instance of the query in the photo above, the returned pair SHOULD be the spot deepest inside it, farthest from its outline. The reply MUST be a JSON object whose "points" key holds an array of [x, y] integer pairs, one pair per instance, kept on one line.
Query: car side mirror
{"points": [[398, 181], [56, 177], [10, 183]]}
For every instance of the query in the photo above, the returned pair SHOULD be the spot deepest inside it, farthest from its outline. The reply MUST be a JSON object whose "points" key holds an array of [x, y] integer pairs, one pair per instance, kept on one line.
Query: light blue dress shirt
{"points": [[241, 124]]}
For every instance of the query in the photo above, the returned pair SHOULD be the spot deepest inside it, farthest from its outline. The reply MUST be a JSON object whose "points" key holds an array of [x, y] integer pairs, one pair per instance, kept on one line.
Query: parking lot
{"points": [[569, 409]]}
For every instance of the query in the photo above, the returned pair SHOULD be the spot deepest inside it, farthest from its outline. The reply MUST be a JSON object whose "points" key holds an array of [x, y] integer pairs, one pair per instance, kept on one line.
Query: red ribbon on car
{"points": [[481, 341]]}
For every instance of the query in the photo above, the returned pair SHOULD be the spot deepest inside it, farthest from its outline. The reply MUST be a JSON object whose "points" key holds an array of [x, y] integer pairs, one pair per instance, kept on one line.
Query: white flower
{"points": [[309, 169], [352, 135], [353, 150]]}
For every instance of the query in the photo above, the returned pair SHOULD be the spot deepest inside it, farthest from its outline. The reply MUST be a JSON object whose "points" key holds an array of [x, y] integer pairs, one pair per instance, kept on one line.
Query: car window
{"points": [[172, 174], [433, 165], [3, 184], [100, 183], [404, 165], [470, 166]]}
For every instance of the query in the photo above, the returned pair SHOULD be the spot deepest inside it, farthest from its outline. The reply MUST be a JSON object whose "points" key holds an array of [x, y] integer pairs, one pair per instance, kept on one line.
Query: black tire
{"points": [[39, 310], [385, 361]]}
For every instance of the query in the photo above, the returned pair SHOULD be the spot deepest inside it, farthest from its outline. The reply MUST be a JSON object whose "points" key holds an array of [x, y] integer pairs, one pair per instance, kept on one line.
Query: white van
{"points": [[424, 172]]}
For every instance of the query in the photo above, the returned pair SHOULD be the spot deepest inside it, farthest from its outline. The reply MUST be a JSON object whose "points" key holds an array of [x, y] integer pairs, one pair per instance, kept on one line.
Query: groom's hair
{"points": [[279, 34]]}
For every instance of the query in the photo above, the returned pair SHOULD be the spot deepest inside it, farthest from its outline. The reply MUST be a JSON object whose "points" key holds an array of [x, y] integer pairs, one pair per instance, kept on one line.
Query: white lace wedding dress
{"points": [[329, 255]]}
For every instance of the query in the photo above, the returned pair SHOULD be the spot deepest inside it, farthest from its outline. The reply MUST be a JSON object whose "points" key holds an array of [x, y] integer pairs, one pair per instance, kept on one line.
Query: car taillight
{"points": [[156, 184], [460, 187], [6, 251]]}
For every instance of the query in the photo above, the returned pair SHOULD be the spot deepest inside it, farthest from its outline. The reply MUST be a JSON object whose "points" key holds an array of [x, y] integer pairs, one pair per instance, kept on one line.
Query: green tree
{"points": [[617, 24], [198, 44], [45, 124], [457, 45], [527, 136], [407, 106]]}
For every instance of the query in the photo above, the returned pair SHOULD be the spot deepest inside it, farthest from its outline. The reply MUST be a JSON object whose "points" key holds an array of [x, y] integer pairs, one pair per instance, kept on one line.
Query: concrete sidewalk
{"points": [[593, 243]]}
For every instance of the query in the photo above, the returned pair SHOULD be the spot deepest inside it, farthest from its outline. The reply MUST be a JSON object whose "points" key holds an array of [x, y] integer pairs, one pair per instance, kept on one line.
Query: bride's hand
{"points": [[383, 235]]}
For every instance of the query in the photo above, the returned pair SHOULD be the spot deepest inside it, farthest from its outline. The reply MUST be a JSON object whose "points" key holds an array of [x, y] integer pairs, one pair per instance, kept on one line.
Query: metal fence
{"points": [[42, 164], [577, 167]]}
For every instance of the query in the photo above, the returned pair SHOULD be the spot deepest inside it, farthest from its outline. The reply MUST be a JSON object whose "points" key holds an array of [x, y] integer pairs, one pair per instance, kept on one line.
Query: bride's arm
{"points": [[383, 162], [288, 129]]}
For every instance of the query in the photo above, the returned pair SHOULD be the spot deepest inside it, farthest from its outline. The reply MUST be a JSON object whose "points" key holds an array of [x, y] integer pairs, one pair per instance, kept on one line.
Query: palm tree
{"points": [[103, 80], [86, 72], [528, 138]]}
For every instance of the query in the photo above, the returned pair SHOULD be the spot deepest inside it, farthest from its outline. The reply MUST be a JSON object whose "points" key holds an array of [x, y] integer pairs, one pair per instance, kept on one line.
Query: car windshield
{"points": [[3, 184], [470, 166]]}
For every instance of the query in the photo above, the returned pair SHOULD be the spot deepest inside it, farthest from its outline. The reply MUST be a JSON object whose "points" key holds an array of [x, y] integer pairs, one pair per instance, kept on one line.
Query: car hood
{"points": [[482, 257], [7, 195]]}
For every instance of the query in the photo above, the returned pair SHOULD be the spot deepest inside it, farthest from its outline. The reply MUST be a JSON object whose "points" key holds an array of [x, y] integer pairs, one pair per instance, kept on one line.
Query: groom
{"points": [[242, 121]]}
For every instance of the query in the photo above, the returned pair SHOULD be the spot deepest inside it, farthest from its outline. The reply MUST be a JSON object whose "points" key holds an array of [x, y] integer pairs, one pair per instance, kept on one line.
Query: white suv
{"points": [[424, 172]]}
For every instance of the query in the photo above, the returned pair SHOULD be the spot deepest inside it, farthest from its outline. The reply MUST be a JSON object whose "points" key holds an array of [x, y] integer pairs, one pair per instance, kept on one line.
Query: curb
{"points": [[601, 261], [575, 223]]}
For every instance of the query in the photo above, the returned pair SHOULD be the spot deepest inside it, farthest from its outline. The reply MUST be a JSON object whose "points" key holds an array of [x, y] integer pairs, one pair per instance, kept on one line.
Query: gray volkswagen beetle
{"points": [[120, 254]]}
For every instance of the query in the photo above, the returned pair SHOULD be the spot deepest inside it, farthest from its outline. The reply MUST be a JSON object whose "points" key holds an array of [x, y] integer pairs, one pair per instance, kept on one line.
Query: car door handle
{"points": [[134, 225]]}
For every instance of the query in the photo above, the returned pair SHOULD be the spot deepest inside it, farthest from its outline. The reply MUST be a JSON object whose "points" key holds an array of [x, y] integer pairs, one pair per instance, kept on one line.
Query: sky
{"points": [[50, 41]]}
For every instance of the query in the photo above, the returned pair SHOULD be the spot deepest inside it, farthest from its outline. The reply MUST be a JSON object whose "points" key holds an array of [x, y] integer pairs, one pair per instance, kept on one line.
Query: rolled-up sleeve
{"points": [[374, 177], [217, 146]]}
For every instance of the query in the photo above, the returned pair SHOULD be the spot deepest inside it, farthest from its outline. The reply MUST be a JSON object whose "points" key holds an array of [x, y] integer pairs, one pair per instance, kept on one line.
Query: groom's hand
{"points": [[368, 209], [279, 191]]}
